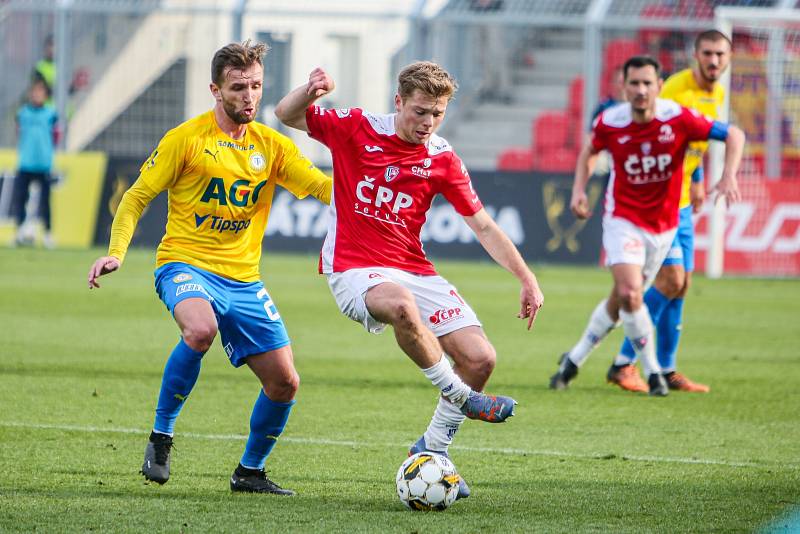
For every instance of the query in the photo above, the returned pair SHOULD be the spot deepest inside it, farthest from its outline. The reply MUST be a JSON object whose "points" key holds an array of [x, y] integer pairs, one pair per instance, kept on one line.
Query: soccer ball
{"points": [[427, 481]]}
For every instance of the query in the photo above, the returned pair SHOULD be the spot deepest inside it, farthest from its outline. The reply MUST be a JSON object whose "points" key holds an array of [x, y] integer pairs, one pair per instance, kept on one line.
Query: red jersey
{"points": [[382, 188], [647, 161]]}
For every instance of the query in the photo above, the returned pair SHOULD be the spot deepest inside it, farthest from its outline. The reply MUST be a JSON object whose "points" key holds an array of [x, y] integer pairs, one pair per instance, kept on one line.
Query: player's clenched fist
{"points": [[319, 83], [580, 205], [104, 265]]}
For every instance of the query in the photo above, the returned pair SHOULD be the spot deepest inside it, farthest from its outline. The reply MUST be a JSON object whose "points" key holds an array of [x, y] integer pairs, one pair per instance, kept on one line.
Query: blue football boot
{"points": [[419, 446], [489, 408]]}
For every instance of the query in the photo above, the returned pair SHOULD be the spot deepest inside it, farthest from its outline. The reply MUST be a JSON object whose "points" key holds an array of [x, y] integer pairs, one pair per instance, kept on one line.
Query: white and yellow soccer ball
{"points": [[427, 481]]}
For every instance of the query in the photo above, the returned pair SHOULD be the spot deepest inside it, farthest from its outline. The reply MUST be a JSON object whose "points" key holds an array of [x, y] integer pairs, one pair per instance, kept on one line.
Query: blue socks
{"points": [[669, 334], [180, 375], [656, 302], [266, 424]]}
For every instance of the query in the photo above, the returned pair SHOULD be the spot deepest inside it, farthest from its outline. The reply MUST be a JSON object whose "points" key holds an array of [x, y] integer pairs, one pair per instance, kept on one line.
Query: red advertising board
{"points": [[762, 232]]}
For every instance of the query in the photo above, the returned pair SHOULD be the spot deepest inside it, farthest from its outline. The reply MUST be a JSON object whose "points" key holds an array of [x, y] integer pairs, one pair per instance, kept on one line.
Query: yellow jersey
{"points": [[683, 89], [219, 194]]}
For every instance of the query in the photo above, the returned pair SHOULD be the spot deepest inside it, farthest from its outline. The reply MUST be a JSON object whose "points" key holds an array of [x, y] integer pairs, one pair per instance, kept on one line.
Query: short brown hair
{"points": [[638, 62], [430, 78], [711, 35], [237, 56]]}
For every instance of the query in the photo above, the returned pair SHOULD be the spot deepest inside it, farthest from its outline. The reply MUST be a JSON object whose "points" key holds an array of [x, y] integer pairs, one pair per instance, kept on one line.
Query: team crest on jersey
{"points": [[343, 113], [257, 162], [666, 135], [426, 162], [391, 173], [182, 277], [646, 147]]}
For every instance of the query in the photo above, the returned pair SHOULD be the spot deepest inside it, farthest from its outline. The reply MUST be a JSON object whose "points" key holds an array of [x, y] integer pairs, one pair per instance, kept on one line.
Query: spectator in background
{"points": [[616, 93], [45, 72], [45, 69], [36, 133]]}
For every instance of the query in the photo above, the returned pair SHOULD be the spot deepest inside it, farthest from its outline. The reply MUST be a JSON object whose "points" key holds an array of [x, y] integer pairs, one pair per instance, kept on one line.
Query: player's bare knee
{"points": [[200, 337], [630, 297], [674, 284], [404, 311], [283, 388]]}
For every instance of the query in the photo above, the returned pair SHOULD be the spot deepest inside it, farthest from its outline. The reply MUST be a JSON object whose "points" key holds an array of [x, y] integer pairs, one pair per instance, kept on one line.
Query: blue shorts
{"points": [[247, 319], [682, 250]]}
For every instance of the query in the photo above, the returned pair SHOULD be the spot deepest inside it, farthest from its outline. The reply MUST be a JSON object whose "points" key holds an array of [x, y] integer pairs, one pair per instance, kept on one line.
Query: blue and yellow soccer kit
{"points": [[220, 193], [683, 89]]}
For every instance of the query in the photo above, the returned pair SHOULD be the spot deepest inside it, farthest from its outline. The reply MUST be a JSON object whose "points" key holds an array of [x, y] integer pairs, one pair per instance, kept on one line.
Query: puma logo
{"points": [[212, 154]]}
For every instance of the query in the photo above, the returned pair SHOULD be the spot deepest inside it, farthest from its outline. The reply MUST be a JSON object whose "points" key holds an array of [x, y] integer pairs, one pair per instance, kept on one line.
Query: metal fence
{"points": [[530, 71]]}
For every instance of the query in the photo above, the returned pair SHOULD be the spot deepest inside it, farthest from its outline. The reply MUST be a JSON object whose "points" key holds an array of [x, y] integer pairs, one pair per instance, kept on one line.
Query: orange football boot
{"points": [[680, 382], [628, 378]]}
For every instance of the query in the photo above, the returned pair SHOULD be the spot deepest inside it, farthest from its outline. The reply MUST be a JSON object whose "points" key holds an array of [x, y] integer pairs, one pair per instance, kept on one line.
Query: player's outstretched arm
{"points": [[503, 251], [697, 189], [127, 215], [291, 110], [101, 266], [728, 186], [579, 204]]}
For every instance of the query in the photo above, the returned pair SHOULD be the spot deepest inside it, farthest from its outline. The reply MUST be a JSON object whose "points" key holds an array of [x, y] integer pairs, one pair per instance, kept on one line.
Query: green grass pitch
{"points": [[80, 371]]}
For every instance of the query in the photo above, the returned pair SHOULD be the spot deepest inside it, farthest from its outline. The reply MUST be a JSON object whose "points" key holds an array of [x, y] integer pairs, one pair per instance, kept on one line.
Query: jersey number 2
{"points": [[269, 306]]}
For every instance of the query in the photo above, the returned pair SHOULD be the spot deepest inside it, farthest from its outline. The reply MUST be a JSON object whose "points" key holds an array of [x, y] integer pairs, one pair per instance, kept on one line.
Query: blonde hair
{"points": [[427, 77], [237, 56]]}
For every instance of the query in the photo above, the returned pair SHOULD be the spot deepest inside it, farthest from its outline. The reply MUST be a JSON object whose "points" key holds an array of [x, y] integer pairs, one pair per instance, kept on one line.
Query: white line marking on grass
{"points": [[348, 443]]}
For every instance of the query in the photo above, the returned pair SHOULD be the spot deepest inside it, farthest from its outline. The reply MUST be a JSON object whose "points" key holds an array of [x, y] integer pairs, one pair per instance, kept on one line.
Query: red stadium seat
{"points": [[790, 167], [651, 36], [556, 159], [618, 51], [515, 159], [615, 55], [550, 130], [575, 111], [575, 104]]}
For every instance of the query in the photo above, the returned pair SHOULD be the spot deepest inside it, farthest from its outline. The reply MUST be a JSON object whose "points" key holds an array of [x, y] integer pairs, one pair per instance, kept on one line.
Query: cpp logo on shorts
{"points": [[375, 275], [182, 277], [633, 245], [445, 315]]}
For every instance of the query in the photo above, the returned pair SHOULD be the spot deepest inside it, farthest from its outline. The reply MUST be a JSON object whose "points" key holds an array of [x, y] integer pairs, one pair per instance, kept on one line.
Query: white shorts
{"points": [[442, 309], [624, 242]]}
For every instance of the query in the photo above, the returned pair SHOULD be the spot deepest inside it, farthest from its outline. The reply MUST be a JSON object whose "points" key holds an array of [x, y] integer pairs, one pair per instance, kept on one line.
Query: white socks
{"points": [[639, 330], [621, 359], [443, 426], [600, 324], [442, 376]]}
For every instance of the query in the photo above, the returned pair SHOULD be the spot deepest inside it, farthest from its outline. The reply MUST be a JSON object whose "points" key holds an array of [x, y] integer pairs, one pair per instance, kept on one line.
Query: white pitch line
{"points": [[347, 443]]}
